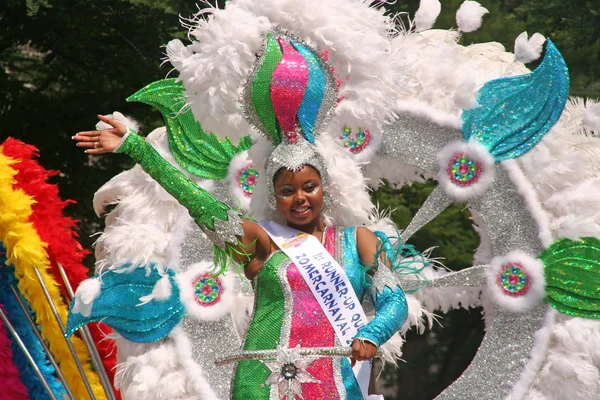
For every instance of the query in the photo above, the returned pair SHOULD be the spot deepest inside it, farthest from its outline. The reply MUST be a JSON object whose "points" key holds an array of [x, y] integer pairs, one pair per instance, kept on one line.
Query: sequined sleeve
{"points": [[215, 218], [390, 305]]}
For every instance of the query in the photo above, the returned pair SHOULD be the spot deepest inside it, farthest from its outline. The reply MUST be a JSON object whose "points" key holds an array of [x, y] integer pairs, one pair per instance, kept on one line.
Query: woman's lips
{"points": [[301, 211]]}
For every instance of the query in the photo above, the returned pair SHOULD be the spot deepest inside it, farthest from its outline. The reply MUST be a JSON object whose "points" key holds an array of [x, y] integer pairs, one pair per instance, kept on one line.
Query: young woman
{"points": [[287, 312]]}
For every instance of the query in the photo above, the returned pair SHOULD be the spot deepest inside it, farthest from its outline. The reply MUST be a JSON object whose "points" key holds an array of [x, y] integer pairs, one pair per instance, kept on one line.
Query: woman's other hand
{"points": [[103, 141], [362, 351]]}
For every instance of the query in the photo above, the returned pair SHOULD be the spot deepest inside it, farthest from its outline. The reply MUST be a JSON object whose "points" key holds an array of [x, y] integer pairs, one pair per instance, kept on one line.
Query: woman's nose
{"points": [[300, 196]]}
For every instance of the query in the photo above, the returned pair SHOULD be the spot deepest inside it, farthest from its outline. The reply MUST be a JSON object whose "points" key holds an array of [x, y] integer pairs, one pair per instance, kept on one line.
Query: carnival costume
{"points": [[327, 86]]}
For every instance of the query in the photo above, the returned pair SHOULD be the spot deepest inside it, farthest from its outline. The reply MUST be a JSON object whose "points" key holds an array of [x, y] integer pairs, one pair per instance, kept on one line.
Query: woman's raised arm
{"points": [[223, 226]]}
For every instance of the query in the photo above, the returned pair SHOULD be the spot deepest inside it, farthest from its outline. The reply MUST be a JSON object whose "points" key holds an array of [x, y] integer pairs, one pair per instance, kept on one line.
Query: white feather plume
{"points": [[119, 117], [426, 15], [529, 49], [591, 118], [469, 16]]}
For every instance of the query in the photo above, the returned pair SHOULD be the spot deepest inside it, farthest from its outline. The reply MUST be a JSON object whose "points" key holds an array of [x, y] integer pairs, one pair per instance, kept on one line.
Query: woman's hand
{"points": [[362, 351], [103, 141]]}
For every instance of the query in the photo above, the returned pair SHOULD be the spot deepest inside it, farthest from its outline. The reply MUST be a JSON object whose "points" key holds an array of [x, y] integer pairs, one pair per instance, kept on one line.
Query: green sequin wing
{"points": [[201, 154], [572, 270]]}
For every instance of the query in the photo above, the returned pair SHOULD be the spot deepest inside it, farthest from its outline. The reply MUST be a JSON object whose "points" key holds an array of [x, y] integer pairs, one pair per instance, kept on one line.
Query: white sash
{"points": [[330, 286]]}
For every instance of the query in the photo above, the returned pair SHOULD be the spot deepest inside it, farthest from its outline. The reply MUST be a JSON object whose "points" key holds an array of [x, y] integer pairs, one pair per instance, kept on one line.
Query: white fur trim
{"points": [[86, 293], [469, 15], [537, 357], [426, 15], [532, 295], [529, 49], [591, 118], [238, 162], [477, 153], [212, 312], [531, 199]]}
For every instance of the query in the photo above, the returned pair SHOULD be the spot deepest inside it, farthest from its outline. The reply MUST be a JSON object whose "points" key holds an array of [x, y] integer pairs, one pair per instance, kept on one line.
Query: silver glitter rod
{"points": [[15, 335], [89, 343], [312, 352], [59, 373], [62, 329]]}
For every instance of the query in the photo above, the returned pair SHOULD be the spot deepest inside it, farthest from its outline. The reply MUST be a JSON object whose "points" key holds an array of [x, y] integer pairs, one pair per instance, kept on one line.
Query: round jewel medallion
{"points": [[207, 290]]}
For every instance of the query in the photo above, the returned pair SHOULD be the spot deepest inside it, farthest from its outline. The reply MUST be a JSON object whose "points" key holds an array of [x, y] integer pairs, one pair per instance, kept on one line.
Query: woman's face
{"points": [[299, 195]]}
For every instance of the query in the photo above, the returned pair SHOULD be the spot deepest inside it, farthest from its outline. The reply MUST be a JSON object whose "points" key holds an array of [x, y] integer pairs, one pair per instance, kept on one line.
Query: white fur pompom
{"points": [[87, 292], [469, 15], [529, 49], [591, 118], [426, 15], [117, 116], [516, 281]]}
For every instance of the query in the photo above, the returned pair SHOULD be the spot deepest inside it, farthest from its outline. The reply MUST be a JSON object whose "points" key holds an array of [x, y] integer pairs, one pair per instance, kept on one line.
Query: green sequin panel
{"points": [[261, 86], [203, 207], [263, 333], [203, 155], [572, 269]]}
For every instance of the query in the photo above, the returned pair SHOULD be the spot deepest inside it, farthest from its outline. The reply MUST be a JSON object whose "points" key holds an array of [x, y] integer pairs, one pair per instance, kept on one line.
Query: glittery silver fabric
{"points": [[208, 339], [506, 216], [416, 141], [469, 277], [437, 202], [293, 157], [507, 345], [502, 356], [271, 354]]}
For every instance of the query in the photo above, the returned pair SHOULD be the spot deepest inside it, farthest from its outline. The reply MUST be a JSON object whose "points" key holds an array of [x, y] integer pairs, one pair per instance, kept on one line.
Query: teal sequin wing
{"points": [[572, 271], [119, 306], [516, 112], [201, 154]]}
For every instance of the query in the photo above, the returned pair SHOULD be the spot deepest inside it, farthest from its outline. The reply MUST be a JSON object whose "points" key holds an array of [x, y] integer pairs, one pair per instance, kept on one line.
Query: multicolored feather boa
{"points": [[36, 234], [20, 323]]}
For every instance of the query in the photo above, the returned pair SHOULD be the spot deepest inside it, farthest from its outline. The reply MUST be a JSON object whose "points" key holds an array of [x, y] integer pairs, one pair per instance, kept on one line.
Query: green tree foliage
{"points": [[71, 61]]}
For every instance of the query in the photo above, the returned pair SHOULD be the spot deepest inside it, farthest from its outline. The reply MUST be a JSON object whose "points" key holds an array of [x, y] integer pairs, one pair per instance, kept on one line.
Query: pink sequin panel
{"points": [[311, 328], [288, 84]]}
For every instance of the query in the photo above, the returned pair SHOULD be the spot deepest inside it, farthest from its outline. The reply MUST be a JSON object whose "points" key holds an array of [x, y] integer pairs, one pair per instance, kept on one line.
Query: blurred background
{"points": [[62, 62]]}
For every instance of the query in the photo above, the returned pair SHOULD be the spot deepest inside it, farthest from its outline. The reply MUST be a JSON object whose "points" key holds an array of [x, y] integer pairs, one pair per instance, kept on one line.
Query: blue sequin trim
{"points": [[516, 112], [350, 383], [119, 307]]}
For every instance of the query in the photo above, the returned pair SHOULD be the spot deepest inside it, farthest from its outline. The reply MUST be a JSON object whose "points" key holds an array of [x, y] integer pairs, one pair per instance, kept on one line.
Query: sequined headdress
{"points": [[288, 97]]}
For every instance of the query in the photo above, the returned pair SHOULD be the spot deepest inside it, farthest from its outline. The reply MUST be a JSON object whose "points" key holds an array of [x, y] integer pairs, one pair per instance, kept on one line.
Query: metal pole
{"points": [[15, 335], [62, 328], [89, 342], [46, 349]]}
